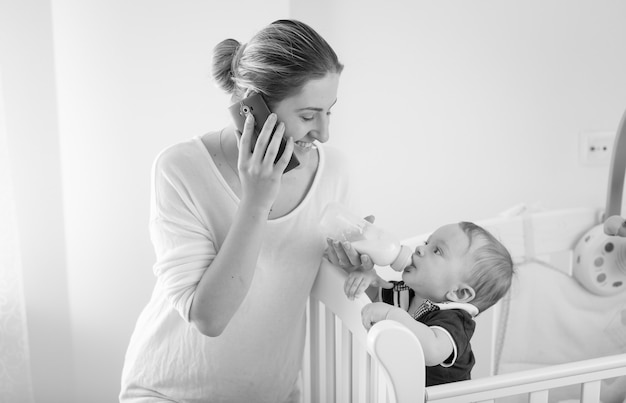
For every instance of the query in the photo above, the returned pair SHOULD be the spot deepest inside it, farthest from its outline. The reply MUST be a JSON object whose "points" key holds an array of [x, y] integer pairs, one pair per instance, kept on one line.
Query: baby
{"points": [[459, 272]]}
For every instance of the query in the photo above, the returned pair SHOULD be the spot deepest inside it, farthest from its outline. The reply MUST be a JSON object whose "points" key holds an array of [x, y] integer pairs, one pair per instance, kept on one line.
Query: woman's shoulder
{"points": [[184, 153]]}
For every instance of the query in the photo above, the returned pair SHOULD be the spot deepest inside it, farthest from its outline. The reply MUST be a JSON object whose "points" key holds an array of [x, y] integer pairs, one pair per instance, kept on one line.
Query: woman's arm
{"points": [[226, 281]]}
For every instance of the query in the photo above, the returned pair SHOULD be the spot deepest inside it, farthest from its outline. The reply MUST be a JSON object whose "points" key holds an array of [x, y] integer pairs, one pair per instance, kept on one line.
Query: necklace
{"points": [[226, 155]]}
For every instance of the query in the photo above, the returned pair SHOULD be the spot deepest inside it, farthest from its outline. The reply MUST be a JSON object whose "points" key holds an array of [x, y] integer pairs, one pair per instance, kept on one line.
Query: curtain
{"points": [[15, 378]]}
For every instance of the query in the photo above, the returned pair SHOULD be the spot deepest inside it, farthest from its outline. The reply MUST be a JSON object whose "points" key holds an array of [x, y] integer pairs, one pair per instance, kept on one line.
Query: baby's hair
{"points": [[492, 272], [276, 62]]}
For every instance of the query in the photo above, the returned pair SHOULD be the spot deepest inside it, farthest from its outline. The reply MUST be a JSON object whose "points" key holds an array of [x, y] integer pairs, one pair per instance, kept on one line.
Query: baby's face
{"points": [[441, 264]]}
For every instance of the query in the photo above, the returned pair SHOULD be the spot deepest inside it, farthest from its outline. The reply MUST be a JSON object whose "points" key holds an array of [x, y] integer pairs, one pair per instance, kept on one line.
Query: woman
{"points": [[237, 239]]}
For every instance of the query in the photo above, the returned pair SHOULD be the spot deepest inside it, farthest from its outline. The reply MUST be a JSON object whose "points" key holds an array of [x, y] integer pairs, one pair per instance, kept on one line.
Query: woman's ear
{"points": [[464, 293]]}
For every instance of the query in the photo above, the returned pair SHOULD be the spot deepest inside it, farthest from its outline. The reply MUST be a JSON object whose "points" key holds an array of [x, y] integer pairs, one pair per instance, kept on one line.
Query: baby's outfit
{"points": [[455, 319]]}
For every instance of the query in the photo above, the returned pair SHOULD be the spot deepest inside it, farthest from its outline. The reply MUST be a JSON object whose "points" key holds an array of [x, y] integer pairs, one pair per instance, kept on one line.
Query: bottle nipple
{"points": [[403, 259]]}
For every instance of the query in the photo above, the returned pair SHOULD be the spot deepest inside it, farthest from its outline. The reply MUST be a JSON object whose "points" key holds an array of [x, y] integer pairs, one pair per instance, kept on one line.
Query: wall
{"points": [[127, 79], [448, 110], [29, 94], [457, 110]]}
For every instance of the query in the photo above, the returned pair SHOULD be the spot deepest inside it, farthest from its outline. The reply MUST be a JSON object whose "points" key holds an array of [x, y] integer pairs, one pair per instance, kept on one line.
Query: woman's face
{"points": [[306, 115]]}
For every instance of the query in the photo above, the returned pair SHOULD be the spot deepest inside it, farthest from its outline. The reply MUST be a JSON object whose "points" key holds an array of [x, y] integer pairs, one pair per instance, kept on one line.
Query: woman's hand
{"points": [[260, 177], [374, 313], [342, 254]]}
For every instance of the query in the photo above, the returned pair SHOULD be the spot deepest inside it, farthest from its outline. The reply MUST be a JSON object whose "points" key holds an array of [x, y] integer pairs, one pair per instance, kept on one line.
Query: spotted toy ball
{"points": [[600, 262]]}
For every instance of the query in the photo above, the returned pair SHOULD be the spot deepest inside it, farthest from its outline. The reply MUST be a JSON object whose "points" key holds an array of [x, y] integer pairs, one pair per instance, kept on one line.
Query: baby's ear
{"points": [[464, 293]]}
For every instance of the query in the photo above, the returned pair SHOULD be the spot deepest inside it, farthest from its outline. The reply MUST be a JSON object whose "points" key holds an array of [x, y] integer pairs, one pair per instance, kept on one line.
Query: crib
{"points": [[344, 363]]}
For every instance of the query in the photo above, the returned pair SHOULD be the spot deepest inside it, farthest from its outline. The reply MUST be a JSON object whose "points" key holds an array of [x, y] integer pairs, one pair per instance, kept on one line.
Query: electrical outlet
{"points": [[596, 148]]}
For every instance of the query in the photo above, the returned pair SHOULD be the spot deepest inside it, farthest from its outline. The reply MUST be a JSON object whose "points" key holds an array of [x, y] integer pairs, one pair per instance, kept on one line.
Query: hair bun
{"points": [[222, 64]]}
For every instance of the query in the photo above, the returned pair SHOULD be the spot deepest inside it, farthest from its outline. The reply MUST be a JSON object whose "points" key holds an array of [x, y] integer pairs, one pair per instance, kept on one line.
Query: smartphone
{"points": [[255, 104]]}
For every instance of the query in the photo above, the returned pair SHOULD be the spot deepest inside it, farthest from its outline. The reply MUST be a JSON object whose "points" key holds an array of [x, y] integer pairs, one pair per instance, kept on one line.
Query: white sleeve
{"points": [[448, 362], [183, 245]]}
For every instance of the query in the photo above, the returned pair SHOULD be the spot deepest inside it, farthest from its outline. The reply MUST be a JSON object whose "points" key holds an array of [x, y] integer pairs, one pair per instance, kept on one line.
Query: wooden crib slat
{"points": [[368, 385], [373, 380], [590, 392], [330, 354], [306, 360], [362, 374], [345, 382], [356, 367], [538, 397], [314, 341]]}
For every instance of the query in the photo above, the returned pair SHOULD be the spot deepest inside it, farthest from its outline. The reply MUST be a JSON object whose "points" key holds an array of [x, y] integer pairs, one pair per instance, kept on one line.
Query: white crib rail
{"points": [[391, 343], [344, 363], [536, 383]]}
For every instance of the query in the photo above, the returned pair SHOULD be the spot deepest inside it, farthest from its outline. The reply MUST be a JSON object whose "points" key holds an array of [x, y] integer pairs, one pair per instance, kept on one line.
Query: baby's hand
{"points": [[363, 277], [375, 312]]}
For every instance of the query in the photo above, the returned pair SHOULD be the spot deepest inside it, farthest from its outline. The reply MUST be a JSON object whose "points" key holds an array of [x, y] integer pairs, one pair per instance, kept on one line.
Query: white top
{"points": [[258, 356]]}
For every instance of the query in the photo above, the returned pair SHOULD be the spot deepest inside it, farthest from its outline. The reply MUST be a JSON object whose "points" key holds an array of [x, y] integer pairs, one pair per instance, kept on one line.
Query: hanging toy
{"points": [[600, 255]]}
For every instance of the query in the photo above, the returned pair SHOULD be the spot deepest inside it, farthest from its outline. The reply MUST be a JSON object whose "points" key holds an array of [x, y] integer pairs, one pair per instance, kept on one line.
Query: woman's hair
{"points": [[277, 62], [492, 272]]}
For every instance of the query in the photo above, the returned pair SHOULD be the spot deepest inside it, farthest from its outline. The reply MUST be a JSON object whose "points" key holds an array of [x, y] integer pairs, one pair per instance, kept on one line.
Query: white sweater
{"points": [[258, 356]]}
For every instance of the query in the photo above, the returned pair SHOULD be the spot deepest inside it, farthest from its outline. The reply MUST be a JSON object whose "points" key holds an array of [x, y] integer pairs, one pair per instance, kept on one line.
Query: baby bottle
{"points": [[383, 248]]}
